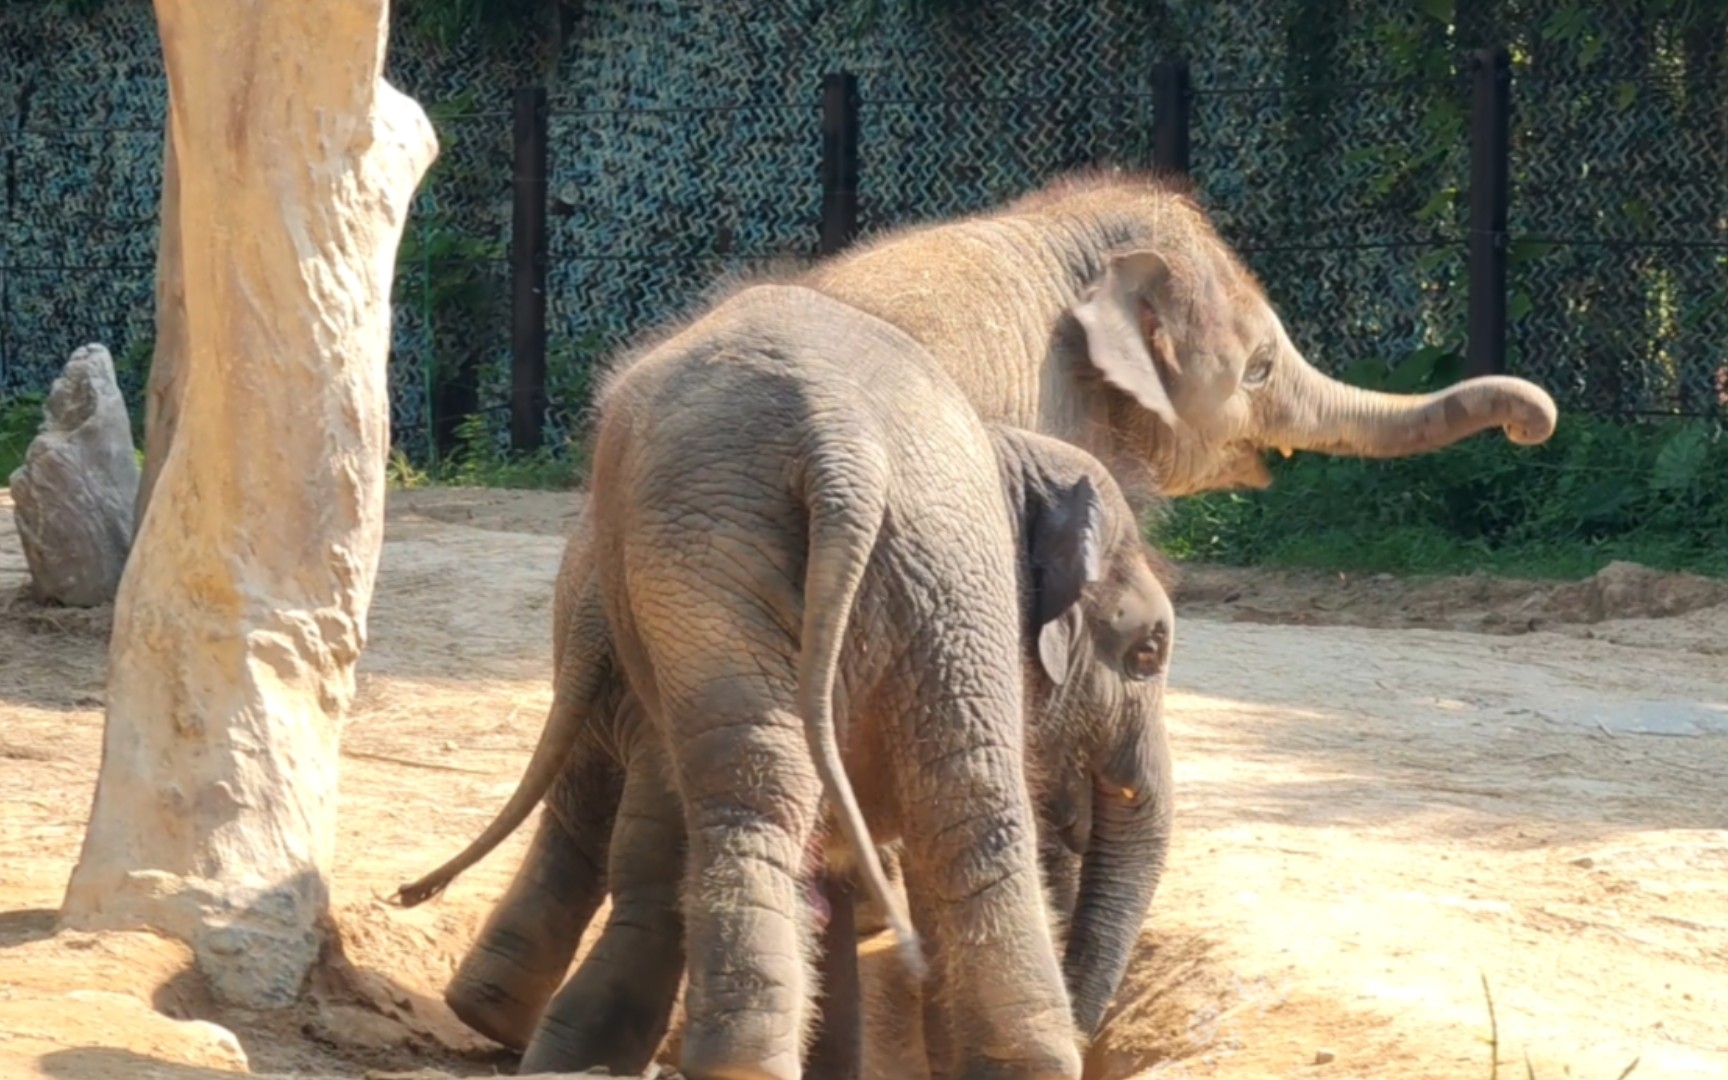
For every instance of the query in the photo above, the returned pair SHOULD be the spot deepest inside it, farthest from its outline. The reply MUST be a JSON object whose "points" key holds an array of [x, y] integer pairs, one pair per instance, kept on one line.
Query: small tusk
{"points": [[1128, 793], [1286, 451]]}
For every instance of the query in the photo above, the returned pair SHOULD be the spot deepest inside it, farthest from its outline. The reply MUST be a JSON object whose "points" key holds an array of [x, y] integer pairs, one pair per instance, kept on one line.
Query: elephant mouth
{"points": [[1248, 470]]}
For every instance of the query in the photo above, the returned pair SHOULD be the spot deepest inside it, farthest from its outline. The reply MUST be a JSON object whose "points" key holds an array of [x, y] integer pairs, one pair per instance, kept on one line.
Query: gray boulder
{"points": [[73, 495]]}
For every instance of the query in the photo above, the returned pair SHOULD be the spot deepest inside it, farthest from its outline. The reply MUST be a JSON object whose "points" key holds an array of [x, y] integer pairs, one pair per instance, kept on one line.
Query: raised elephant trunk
{"points": [[1333, 417], [1124, 859]]}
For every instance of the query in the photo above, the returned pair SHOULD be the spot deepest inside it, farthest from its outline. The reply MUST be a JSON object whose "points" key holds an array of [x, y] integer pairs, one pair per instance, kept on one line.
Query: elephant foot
{"points": [[735, 1072], [1040, 1070], [1033, 1048], [610, 1016], [524, 948], [497, 998], [743, 1046]]}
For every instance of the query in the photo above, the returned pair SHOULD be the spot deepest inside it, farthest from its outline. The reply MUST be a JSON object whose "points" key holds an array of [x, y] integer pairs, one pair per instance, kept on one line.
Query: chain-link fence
{"points": [[658, 206], [1347, 199], [685, 147], [86, 271], [1620, 239]]}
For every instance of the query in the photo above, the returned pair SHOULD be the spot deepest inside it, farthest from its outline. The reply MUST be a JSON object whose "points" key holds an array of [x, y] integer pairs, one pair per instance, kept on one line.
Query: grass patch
{"points": [[1650, 492], [1653, 492], [480, 462]]}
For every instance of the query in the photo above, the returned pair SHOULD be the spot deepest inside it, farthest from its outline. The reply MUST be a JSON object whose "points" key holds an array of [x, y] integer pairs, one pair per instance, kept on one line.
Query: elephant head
{"points": [[1104, 309], [1101, 632], [1177, 323]]}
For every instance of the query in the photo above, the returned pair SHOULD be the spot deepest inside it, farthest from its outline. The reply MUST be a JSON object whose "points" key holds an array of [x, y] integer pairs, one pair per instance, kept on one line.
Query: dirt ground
{"points": [[1391, 794]]}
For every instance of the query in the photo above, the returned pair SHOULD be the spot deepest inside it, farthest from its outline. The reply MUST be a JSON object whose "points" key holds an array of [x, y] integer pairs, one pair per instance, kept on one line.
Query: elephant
{"points": [[801, 522], [1103, 310]]}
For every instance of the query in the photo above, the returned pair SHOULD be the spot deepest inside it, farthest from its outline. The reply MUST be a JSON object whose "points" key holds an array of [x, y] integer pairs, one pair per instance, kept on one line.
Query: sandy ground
{"points": [[1390, 794]]}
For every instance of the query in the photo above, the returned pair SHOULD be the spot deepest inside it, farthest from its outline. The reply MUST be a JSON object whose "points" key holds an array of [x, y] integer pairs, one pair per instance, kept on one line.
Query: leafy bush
{"points": [[1652, 492], [20, 418], [479, 462]]}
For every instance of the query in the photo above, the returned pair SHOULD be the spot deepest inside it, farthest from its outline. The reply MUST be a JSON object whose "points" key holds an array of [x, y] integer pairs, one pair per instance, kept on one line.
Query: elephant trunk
{"points": [[1333, 417], [1124, 859]]}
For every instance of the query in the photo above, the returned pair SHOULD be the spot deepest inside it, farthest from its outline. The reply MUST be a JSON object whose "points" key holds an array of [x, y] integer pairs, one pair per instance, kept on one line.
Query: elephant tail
{"points": [[846, 496], [583, 674]]}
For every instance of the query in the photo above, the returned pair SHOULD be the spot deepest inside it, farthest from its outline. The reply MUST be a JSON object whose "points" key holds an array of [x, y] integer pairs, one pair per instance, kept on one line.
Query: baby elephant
{"points": [[797, 522]]}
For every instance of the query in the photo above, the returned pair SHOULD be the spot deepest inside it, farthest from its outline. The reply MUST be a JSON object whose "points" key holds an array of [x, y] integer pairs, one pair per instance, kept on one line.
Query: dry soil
{"points": [[1395, 799]]}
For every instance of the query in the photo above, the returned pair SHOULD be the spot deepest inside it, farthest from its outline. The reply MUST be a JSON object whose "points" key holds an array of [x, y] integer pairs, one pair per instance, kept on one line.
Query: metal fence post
{"points": [[528, 271], [1490, 195], [1171, 96], [839, 162]]}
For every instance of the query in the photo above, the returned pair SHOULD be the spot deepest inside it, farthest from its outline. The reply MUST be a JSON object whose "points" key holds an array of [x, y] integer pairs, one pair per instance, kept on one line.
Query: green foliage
{"points": [[20, 418], [448, 273], [132, 373], [1428, 368], [571, 367], [1655, 493], [479, 462], [492, 23]]}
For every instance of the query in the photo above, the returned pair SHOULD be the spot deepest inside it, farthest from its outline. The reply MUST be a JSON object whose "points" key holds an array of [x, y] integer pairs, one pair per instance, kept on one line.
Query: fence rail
{"points": [[849, 178], [1430, 215]]}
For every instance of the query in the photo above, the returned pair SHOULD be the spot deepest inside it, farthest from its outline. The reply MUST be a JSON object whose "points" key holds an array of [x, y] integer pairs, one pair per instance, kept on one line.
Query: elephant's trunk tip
{"points": [[1540, 418]]}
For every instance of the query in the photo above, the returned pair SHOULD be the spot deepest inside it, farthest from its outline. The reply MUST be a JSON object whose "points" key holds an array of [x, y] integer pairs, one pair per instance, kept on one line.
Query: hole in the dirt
{"points": [[186, 996], [1173, 985], [26, 925], [1175, 1003]]}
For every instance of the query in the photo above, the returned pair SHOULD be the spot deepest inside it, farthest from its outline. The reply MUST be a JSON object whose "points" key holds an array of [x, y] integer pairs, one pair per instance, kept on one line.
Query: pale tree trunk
{"points": [[162, 391], [243, 607]]}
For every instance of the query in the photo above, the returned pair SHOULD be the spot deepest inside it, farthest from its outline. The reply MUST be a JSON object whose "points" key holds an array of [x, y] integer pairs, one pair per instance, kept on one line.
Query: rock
{"points": [[1324, 1057], [75, 491]]}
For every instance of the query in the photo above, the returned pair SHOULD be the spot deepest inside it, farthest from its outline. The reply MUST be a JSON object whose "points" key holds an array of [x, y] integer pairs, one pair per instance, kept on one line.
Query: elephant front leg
{"points": [[751, 799], [614, 1011], [526, 945], [999, 1004]]}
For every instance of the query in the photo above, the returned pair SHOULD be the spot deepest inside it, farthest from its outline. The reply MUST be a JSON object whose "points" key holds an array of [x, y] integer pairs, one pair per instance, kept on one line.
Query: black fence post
{"points": [[1490, 195], [839, 162], [528, 272], [1171, 97]]}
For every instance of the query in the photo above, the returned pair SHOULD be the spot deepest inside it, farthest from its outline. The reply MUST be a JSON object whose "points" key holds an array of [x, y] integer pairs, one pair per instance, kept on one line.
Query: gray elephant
{"points": [[793, 502], [1102, 310]]}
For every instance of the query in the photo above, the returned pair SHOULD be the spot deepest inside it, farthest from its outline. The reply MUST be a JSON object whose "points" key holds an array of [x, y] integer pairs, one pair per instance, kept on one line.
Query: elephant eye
{"points": [[1259, 367]]}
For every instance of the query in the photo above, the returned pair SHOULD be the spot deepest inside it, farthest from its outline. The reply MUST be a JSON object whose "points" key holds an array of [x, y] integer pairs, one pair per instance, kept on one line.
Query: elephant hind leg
{"points": [[614, 1011], [751, 802], [997, 1003], [525, 946]]}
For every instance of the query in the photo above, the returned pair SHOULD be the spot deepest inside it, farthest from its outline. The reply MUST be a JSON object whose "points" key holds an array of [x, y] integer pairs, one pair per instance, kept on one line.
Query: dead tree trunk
{"points": [[243, 606], [168, 362]]}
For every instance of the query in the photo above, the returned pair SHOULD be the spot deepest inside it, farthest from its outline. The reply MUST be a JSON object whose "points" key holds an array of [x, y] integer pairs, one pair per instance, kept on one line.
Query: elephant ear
{"points": [[1119, 317], [1066, 537]]}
